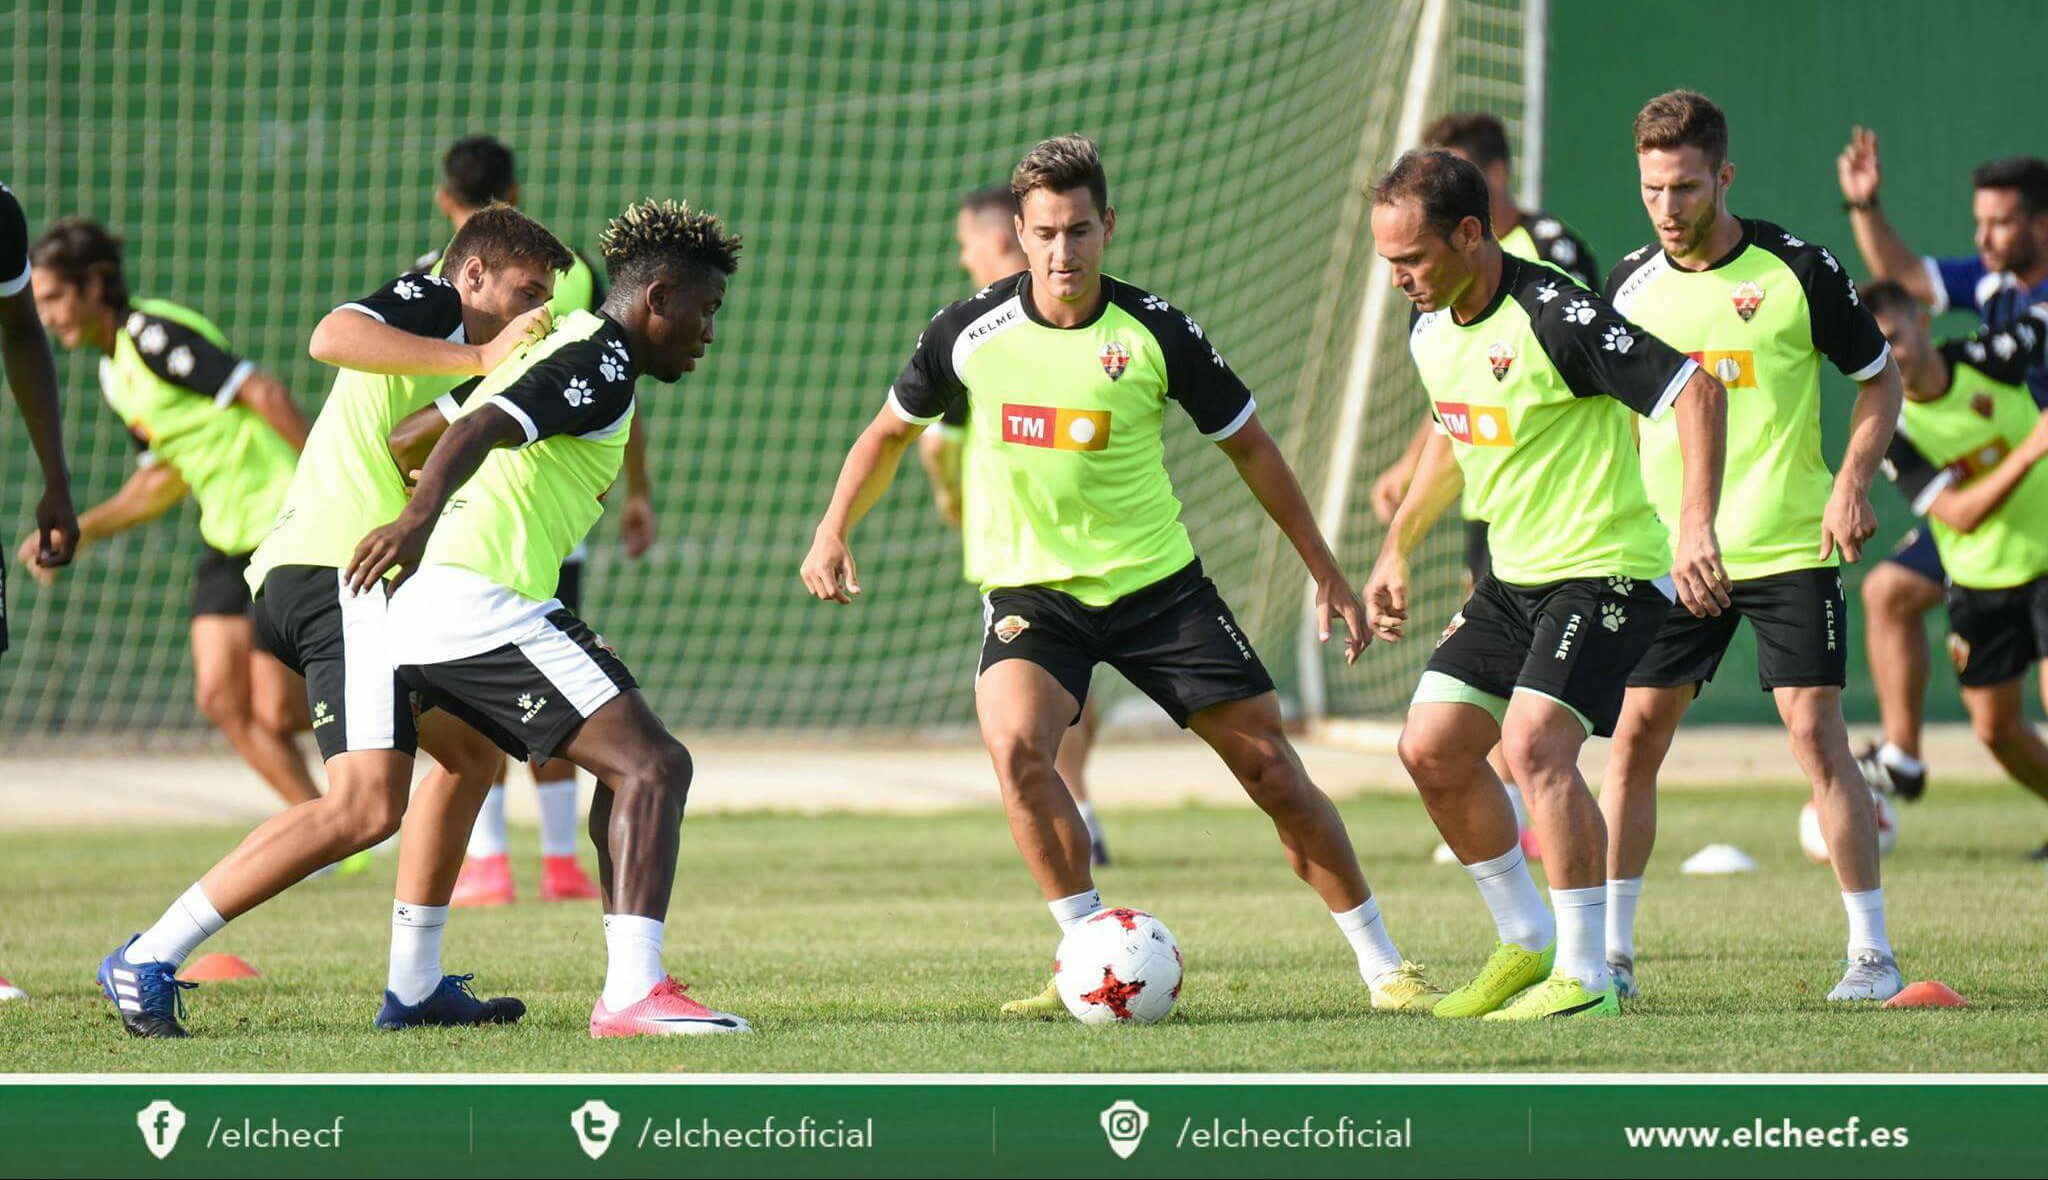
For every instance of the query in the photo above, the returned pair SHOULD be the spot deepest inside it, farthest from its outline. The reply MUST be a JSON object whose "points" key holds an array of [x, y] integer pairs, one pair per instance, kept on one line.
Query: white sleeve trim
{"points": [[450, 410], [1941, 483], [147, 460], [901, 411], [1672, 389], [14, 285], [518, 415], [1939, 303], [1251, 406], [360, 310], [1875, 367], [233, 385]]}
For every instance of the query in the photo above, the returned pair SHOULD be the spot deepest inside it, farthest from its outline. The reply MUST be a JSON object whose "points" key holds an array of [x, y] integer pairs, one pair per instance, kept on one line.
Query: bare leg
{"points": [[1998, 717], [1072, 760], [443, 808], [626, 746], [1895, 601], [1848, 818], [1024, 712], [1542, 739], [1247, 734], [1443, 746], [1628, 794], [366, 795], [222, 647]]}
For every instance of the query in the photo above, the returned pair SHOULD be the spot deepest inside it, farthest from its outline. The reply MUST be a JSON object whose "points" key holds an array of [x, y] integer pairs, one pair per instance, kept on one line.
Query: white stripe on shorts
{"points": [[569, 668], [369, 688]]}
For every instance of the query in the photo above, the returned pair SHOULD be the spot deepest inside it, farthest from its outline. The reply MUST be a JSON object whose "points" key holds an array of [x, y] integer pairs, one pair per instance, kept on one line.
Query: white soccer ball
{"points": [[1119, 966], [1816, 846]]}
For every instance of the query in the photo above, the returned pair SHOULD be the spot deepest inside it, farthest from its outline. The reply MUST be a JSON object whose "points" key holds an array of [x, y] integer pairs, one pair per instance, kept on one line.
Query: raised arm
{"points": [[1265, 471], [828, 570], [350, 337], [1884, 252]]}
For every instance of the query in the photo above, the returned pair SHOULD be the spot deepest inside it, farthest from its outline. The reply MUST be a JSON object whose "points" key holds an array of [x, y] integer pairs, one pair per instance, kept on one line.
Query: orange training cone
{"points": [[1926, 994], [217, 967]]}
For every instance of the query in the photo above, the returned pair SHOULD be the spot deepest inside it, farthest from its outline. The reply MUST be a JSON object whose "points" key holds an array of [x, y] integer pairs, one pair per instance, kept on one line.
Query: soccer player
{"points": [[986, 227], [1532, 380], [1084, 558], [203, 420], [32, 372], [504, 496], [1968, 456], [410, 342], [2009, 272], [1762, 308], [1522, 233], [475, 173]]}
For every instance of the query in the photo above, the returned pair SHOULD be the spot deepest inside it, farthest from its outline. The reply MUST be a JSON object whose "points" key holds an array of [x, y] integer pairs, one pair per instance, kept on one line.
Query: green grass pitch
{"points": [[885, 944]]}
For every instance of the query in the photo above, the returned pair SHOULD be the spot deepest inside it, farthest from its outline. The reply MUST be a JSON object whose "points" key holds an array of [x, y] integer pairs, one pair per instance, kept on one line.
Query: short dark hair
{"points": [[1886, 296], [1449, 188], [1476, 135], [666, 239], [1683, 118], [78, 249], [2027, 175], [499, 234], [477, 171], [990, 198], [1062, 164]]}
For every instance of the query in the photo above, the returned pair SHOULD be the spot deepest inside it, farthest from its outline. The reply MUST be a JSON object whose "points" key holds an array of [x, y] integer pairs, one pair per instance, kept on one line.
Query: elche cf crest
{"points": [[1502, 358], [1747, 296], [1115, 359]]}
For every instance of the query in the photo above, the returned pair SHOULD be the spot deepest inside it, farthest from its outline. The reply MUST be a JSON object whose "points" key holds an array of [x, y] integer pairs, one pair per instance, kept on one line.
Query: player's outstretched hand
{"points": [[1857, 167], [828, 571], [1386, 597], [56, 528], [1848, 521], [397, 545], [636, 525], [1701, 578], [524, 329], [1335, 596]]}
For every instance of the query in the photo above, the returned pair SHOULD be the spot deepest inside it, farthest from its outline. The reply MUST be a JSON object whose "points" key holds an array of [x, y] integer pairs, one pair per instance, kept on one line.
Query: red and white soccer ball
{"points": [[1119, 966], [1815, 845]]}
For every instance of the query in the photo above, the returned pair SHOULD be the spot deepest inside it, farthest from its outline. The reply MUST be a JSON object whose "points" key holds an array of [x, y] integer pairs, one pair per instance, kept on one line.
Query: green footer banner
{"points": [[977, 1126]]}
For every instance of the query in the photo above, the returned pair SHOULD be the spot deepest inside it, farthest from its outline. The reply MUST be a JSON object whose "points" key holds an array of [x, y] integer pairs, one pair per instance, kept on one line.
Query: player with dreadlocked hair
{"points": [[475, 612]]}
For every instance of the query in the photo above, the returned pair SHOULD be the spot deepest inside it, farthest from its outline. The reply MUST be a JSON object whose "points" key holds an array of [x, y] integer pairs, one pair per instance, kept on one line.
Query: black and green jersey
{"points": [[347, 483], [1535, 394], [1953, 439], [1761, 319], [173, 380], [576, 289], [1539, 237], [1068, 488], [528, 507], [13, 244]]}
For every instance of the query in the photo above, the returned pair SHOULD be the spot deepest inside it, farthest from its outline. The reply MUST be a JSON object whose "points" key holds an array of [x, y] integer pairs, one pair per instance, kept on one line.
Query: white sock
{"points": [[633, 966], [1622, 895], [1368, 936], [1866, 921], [415, 969], [190, 921], [1511, 897], [1582, 934], [1069, 911], [1898, 759], [1521, 807], [487, 838], [557, 818], [1087, 811]]}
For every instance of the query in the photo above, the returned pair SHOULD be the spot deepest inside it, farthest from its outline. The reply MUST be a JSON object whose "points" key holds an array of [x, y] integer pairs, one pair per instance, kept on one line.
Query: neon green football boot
{"points": [[1507, 971], [1405, 989], [1560, 995], [1046, 1005]]}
